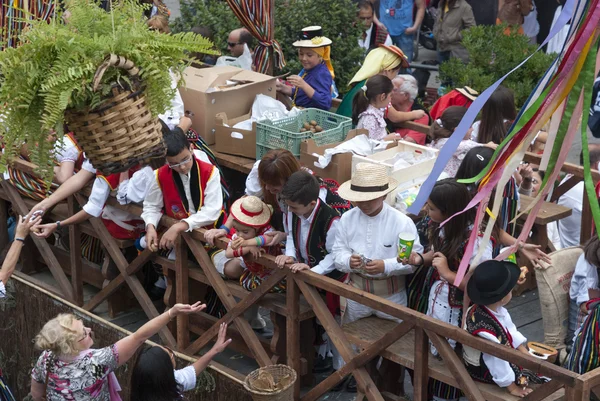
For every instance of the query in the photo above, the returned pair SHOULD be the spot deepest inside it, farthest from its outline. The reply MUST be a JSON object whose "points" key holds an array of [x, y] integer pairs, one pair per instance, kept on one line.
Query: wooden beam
{"points": [[42, 245], [422, 128], [292, 324], [182, 293], [4, 224], [456, 367], [359, 360], [564, 188], [227, 299], [75, 256], [337, 336], [421, 372]]}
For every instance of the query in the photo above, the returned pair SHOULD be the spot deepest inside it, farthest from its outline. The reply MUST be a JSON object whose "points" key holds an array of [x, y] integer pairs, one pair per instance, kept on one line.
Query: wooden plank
{"points": [[456, 366], [564, 188], [3, 224], [114, 285], [75, 256], [132, 281], [337, 336], [227, 299], [568, 168], [422, 128], [548, 213], [42, 245], [421, 371], [543, 391], [91, 272], [237, 310], [242, 164], [182, 293], [443, 329], [292, 326], [360, 360]]}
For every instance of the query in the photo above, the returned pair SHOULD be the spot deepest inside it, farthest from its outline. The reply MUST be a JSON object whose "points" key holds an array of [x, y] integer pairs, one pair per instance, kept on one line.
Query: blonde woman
{"points": [[70, 369]]}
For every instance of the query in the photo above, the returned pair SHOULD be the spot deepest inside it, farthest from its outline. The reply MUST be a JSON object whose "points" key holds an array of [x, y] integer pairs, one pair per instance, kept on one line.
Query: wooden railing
{"points": [[301, 287]]}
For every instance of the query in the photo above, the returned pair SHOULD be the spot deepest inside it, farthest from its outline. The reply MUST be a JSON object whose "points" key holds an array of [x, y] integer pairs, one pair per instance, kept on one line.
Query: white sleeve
{"points": [[153, 204], [341, 249], [98, 197], [65, 151], [202, 156], [581, 280], [253, 187], [213, 203], [2, 289], [290, 248], [172, 116], [327, 264], [186, 378], [134, 190], [87, 166], [501, 372], [518, 339]]}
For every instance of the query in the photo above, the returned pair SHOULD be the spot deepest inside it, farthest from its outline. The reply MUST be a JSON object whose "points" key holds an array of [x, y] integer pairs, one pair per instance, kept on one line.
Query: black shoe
{"points": [[340, 385], [322, 365], [351, 387], [264, 332], [155, 293]]}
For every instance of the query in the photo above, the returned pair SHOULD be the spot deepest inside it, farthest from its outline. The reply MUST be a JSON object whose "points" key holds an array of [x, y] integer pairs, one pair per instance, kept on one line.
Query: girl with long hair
{"points": [[497, 116]]}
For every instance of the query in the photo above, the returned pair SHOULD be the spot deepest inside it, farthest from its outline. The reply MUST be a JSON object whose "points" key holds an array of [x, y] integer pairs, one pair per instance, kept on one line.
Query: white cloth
{"points": [[186, 378], [556, 44], [553, 235], [66, 151], [365, 43], [569, 228], [531, 26], [2, 289], [87, 165], [209, 213], [327, 264], [500, 369], [439, 305], [360, 145], [220, 259], [584, 278], [375, 238], [172, 116], [134, 188]]}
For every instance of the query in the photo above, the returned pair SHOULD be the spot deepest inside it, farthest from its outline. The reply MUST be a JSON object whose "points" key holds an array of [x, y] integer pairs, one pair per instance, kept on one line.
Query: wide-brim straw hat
{"points": [[468, 92], [251, 211], [369, 181], [397, 51], [312, 36]]}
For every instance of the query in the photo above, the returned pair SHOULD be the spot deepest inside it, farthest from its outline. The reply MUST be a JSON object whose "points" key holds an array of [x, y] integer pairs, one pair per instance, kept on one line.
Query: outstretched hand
{"points": [[221, 342]]}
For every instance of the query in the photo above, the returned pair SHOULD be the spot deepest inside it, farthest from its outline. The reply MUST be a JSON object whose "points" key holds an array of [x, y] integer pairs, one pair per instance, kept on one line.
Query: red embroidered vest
{"points": [[173, 205]]}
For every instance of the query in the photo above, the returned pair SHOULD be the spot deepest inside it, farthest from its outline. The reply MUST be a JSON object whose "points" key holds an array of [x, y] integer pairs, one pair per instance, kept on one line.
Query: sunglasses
{"points": [[232, 44], [184, 161]]}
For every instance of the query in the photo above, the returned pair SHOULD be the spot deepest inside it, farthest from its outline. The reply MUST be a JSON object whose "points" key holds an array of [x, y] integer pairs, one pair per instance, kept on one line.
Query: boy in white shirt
{"points": [[366, 244]]}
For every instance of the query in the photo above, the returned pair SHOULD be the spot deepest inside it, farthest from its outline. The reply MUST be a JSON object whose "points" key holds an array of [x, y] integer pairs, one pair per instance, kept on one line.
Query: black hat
{"points": [[492, 281]]}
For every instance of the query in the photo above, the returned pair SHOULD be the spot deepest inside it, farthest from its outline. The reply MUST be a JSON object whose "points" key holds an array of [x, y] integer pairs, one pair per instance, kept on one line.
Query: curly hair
{"points": [[58, 336]]}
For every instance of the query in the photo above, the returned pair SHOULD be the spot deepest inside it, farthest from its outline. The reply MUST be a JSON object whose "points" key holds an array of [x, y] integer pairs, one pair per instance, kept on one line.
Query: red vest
{"points": [[173, 205], [80, 157], [113, 228]]}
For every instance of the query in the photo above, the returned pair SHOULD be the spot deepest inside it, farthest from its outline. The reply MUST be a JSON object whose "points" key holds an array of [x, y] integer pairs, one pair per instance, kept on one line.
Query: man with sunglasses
{"points": [[236, 41]]}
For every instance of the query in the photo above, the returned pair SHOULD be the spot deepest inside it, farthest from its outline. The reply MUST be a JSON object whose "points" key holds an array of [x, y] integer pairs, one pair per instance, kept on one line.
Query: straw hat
{"points": [[251, 211], [468, 92], [312, 36], [369, 181]]}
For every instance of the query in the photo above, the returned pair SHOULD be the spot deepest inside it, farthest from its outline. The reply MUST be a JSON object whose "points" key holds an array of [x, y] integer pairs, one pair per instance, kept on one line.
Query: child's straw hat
{"points": [[251, 211], [369, 181], [312, 36]]}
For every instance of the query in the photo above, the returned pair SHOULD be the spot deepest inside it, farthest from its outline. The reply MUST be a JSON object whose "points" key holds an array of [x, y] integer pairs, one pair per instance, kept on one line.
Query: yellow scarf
{"points": [[378, 60], [325, 54]]}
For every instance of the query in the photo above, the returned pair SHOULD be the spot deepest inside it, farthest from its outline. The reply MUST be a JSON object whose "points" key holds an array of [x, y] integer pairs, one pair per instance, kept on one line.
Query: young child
{"points": [[442, 129], [490, 288], [251, 218], [368, 107], [446, 249], [583, 282], [366, 244]]}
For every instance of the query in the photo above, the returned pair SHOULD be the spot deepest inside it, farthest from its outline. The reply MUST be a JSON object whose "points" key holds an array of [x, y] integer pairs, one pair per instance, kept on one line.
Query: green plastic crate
{"points": [[285, 133]]}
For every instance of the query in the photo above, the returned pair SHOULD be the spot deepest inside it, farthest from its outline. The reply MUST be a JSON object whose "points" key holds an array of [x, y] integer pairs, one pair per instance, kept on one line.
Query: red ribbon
{"points": [[249, 213]]}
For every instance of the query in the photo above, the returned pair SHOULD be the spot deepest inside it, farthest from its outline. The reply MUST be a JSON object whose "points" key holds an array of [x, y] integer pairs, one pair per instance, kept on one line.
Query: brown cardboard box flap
{"points": [[216, 78], [228, 142]]}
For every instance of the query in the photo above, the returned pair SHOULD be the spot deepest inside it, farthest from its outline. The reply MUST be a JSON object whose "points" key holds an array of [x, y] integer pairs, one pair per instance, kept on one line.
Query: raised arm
{"points": [[12, 257]]}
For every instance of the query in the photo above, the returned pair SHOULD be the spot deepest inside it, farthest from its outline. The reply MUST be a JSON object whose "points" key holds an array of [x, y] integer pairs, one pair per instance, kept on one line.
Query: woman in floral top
{"points": [[69, 369]]}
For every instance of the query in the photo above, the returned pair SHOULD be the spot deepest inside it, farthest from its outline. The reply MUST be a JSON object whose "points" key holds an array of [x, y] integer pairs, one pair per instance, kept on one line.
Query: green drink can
{"points": [[405, 245]]}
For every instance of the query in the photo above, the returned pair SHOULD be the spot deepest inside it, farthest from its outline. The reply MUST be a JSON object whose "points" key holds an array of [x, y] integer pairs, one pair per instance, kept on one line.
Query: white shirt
{"points": [[365, 43], [569, 228], [584, 278], [66, 150], [327, 264], [186, 378], [172, 116], [209, 213], [2, 289], [375, 238], [500, 369]]}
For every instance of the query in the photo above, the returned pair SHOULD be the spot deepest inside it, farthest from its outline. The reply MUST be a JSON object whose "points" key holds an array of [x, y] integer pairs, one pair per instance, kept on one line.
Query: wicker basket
{"points": [[121, 132], [278, 371]]}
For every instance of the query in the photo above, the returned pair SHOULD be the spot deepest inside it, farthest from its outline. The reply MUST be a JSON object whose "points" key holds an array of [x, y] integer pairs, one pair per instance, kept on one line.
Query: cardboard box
{"points": [[228, 139], [408, 176], [206, 93], [340, 167]]}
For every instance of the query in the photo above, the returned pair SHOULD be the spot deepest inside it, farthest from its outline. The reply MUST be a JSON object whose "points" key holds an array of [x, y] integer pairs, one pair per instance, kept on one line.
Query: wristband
{"points": [[22, 240], [422, 259], [224, 227], [57, 224]]}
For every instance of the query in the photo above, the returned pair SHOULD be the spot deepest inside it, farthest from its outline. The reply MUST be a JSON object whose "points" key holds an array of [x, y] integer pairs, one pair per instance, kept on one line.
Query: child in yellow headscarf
{"points": [[312, 86]]}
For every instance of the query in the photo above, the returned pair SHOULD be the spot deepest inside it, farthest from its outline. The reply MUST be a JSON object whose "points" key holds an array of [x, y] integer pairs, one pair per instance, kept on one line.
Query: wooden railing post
{"points": [[182, 293], [75, 256], [421, 373], [293, 329]]}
